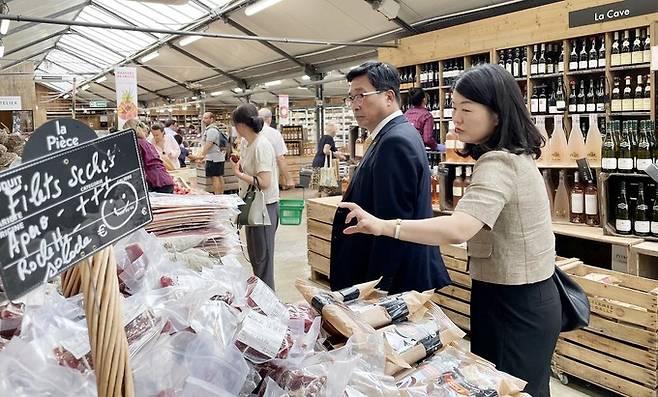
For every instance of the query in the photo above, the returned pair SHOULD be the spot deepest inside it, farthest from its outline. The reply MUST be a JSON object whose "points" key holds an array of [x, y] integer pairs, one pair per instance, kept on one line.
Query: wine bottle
{"points": [[615, 57], [646, 96], [552, 101], [550, 66], [451, 154], [622, 217], [541, 63], [545, 155], [573, 105], [561, 212], [590, 100], [601, 61], [573, 57], [646, 57], [549, 190], [591, 204], [581, 106], [524, 63], [615, 103], [559, 152], [593, 55], [642, 220], [583, 59], [509, 61], [638, 98], [543, 101], [501, 59], [637, 52], [534, 101], [436, 194], [653, 140], [600, 96], [534, 63], [516, 64], [625, 161], [654, 215], [627, 96], [643, 154], [609, 151], [560, 103], [577, 200], [626, 49], [457, 186], [560, 60], [576, 145], [593, 143]]}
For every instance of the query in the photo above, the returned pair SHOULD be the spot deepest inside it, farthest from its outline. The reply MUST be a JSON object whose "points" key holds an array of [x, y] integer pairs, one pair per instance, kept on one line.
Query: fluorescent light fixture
{"points": [[4, 26], [259, 6], [67, 96], [101, 79], [306, 77], [194, 98], [237, 90], [189, 40], [272, 83], [150, 56], [84, 87], [302, 88], [2, 48], [216, 93]]}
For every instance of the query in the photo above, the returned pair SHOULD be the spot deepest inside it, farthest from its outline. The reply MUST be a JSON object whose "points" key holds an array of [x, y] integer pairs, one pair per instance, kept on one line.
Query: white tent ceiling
{"points": [[209, 64]]}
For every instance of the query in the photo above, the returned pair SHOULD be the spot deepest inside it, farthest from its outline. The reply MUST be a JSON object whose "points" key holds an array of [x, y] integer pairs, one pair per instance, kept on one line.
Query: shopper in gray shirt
{"points": [[214, 148]]}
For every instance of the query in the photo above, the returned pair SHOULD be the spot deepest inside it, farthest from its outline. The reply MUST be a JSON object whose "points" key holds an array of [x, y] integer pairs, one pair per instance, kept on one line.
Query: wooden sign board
{"points": [[60, 208]]}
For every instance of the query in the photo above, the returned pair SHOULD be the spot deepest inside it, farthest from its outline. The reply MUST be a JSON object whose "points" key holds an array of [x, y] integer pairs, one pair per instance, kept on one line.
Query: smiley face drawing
{"points": [[119, 206]]}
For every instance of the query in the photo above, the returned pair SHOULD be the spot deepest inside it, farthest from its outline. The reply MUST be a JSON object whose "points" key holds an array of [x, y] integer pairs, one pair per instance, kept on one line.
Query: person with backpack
{"points": [[213, 151]]}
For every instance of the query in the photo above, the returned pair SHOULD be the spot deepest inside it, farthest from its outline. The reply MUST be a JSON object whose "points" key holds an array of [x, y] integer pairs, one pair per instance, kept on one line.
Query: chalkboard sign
{"points": [[61, 208]]}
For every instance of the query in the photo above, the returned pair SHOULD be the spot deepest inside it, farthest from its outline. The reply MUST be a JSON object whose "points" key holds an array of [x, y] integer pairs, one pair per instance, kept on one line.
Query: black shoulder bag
{"points": [[575, 305]]}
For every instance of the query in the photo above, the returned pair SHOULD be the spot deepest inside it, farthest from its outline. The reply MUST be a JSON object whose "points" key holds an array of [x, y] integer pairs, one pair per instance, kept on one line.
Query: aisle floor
{"points": [[291, 263]]}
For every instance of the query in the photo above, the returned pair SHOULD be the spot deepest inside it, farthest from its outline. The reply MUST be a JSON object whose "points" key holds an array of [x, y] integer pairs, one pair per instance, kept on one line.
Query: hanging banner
{"points": [[284, 110], [10, 103], [126, 87]]}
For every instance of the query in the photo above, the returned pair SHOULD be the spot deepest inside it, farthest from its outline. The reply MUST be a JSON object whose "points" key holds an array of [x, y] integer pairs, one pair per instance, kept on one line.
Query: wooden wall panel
{"points": [[536, 25], [19, 81]]}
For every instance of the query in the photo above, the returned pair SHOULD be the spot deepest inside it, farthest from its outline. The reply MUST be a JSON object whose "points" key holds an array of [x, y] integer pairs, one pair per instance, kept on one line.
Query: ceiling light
{"points": [[84, 87], [101, 79], [273, 83], [66, 96], [259, 6], [2, 48], [194, 98], [189, 40], [150, 56], [4, 24], [306, 77], [216, 93], [302, 88], [237, 90]]}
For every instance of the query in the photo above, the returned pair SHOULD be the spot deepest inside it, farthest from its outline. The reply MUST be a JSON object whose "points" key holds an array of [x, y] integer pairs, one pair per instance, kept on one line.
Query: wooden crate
{"points": [[319, 225], [619, 348], [643, 260], [455, 299]]}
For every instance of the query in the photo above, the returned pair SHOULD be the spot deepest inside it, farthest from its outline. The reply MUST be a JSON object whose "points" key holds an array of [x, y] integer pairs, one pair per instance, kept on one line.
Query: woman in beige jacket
{"points": [[505, 218]]}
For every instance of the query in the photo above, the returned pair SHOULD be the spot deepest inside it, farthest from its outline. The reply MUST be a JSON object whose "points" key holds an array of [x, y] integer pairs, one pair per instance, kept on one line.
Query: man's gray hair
{"points": [[265, 113]]}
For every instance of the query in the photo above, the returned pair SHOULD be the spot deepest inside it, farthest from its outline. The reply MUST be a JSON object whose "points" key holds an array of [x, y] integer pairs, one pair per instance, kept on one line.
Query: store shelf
{"points": [[431, 88], [625, 68], [445, 87], [544, 76], [630, 114], [593, 234], [586, 71], [524, 79]]}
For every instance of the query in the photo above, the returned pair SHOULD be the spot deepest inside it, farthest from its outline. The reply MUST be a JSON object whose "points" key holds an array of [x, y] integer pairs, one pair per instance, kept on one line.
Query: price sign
{"points": [[64, 206]]}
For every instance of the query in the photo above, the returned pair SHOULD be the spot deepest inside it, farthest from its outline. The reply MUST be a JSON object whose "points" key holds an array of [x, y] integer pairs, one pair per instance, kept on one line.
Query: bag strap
{"points": [[256, 184]]}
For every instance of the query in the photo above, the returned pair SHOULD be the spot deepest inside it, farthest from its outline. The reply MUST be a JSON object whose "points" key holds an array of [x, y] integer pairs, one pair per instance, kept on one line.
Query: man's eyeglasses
{"points": [[358, 98]]}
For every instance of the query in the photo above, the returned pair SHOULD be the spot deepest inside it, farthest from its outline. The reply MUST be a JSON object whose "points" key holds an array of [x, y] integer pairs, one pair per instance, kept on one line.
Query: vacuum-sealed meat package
{"points": [[263, 300], [262, 338]]}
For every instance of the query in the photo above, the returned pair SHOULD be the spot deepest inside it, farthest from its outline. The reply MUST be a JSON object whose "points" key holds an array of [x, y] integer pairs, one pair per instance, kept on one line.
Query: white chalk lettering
{"points": [[86, 174]]}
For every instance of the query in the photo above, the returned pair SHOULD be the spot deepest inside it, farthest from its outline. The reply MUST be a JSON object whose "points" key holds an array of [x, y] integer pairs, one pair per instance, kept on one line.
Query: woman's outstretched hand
{"points": [[366, 223]]}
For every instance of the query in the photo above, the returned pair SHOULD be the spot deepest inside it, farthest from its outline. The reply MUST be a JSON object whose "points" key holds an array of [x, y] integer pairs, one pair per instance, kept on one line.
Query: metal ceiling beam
{"points": [[20, 18], [241, 83], [27, 58], [308, 69], [51, 16], [33, 43], [404, 25], [164, 76]]}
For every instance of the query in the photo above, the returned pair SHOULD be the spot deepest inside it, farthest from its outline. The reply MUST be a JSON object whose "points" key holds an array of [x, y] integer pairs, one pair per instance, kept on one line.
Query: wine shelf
{"points": [[545, 76], [625, 68], [586, 71]]}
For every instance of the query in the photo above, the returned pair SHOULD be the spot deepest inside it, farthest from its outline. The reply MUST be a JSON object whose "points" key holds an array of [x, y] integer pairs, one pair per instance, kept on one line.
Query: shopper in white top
{"points": [[171, 127], [257, 166], [167, 146], [280, 150]]}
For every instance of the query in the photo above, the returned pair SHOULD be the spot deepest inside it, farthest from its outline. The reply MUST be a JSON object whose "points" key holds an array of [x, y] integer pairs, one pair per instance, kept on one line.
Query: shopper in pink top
{"points": [[420, 117], [157, 177]]}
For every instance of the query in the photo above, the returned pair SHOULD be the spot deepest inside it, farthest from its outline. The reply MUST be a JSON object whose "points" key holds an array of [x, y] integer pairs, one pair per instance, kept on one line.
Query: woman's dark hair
{"points": [[492, 86], [178, 138], [416, 96], [247, 114], [382, 76], [157, 127]]}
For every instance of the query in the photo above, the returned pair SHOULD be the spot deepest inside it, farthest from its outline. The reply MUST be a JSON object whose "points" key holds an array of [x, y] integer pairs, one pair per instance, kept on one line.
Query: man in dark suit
{"points": [[392, 181]]}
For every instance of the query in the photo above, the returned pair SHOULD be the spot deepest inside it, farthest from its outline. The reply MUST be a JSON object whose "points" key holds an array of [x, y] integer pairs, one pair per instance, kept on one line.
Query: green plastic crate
{"points": [[290, 212]]}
